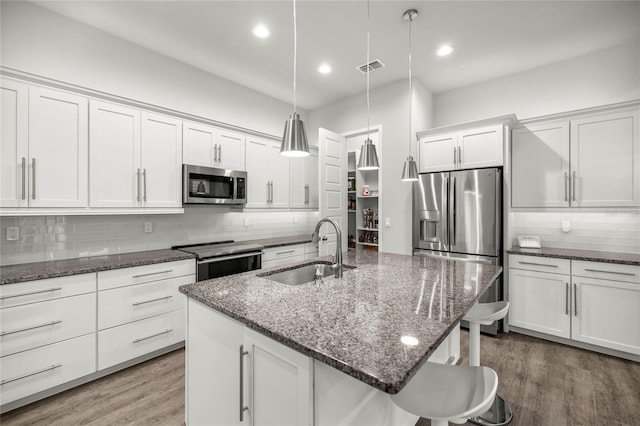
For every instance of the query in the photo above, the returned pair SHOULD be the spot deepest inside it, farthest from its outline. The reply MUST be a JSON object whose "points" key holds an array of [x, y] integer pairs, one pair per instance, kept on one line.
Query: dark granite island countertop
{"points": [[355, 324]]}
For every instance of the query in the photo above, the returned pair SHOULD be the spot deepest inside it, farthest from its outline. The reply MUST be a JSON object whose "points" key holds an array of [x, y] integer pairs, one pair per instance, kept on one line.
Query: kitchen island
{"points": [[322, 354]]}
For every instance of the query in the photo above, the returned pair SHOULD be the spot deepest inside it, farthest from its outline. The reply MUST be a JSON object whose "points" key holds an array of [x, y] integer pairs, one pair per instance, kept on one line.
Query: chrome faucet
{"points": [[337, 257]]}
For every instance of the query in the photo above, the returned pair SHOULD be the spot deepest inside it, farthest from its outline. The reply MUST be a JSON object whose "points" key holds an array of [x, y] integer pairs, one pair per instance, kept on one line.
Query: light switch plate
{"points": [[148, 227], [566, 226], [387, 222], [13, 233], [529, 241]]}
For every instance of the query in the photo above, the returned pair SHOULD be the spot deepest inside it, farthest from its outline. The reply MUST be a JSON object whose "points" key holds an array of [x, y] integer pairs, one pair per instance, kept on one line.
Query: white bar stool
{"points": [[448, 393], [499, 413]]}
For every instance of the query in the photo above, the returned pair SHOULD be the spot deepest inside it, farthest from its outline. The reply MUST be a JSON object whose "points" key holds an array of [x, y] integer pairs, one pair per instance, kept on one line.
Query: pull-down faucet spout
{"points": [[337, 266]]}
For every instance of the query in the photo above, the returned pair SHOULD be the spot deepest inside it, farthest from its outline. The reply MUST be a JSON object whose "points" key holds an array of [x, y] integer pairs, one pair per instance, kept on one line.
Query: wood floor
{"points": [[547, 384]]}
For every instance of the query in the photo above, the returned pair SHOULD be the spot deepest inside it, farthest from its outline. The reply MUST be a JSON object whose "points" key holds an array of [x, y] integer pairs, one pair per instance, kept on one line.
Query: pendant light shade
{"points": [[368, 156], [410, 171], [294, 139]]}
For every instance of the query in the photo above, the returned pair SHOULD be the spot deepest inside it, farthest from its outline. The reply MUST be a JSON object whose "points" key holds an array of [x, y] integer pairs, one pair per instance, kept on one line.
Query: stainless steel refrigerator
{"points": [[458, 214]]}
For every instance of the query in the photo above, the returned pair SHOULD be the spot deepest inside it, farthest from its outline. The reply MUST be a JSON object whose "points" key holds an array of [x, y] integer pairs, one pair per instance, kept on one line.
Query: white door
{"points": [[14, 142], [482, 147], [114, 155], [161, 161], [231, 147], [278, 166], [333, 188], [258, 188], [606, 313], [198, 144], [280, 383], [540, 165], [438, 153], [605, 160], [58, 148], [539, 301]]}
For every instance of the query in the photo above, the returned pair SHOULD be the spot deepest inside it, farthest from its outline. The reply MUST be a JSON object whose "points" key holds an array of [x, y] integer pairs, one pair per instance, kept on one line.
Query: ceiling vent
{"points": [[371, 66]]}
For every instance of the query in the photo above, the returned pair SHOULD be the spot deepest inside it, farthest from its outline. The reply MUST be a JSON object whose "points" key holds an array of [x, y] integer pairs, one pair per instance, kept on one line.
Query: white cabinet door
{"points": [[298, 185], [161, 161], [312, 173], [539, 301], [481, 147], [605, 160], [114, 155], [540, 165], [438, 153], [280, 384], [213, 367], [258, 188], [278, 166], [14, 152], [230, 146], [58, 148], [606, 313], [198, 142]]}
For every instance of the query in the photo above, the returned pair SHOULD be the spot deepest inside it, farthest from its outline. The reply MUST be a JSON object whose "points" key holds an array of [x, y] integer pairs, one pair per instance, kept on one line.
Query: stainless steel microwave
{"points": [[208, 185]]}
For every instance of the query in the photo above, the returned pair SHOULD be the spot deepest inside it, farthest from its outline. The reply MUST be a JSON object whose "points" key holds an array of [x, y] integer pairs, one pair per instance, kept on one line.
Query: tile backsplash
{"points": [[617, 231], [63, 237]]}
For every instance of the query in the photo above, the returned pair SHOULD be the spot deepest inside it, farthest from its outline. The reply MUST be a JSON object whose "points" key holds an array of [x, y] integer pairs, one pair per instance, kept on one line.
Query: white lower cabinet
{"points": [[596, 303], [230, 367], [277, 256]]}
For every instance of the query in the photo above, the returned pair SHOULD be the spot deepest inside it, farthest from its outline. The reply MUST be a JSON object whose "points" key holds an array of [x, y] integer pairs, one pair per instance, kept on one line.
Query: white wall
{"points": [[390, 109], [601, 78], [38, 41]]}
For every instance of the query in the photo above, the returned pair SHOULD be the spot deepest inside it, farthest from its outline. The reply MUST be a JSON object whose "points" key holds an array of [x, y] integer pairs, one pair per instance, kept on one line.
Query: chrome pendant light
{"points": [[368, 156], [294, 139], [410, 170]]}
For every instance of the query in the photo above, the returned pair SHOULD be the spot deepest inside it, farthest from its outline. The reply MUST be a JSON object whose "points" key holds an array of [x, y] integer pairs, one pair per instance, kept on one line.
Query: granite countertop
{"points": [[60, 268], [590, 255], [355, 324]]}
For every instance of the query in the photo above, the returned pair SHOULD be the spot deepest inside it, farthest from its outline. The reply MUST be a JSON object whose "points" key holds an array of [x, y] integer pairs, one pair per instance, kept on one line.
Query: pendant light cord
{"points": [[295, 53], [410, 83], [368, 72]]}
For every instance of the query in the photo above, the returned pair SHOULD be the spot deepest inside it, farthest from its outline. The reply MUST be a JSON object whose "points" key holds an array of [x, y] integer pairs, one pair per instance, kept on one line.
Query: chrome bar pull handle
{"points": [[537, 264], [566, 298], [138, 175], [566, 186], [573, 192], [152, 273], [168, 330], [44, 370], [610, 272], [267, 192], [243, 408], [33, 327], [453, 217], [455, 160], [575, 299], [30, 293], [144, 184], [24, 178], [151, 301], [33, 178], [215, 153], [459, 156], [220, 153]]}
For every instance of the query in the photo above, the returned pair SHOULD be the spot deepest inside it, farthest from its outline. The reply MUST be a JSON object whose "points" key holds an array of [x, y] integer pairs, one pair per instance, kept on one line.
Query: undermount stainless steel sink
{"points": [[303, 274]]}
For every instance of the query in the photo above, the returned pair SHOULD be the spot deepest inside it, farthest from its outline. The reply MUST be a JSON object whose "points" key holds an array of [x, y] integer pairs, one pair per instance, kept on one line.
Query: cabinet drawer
{"points": [[608, 271], [143, 274], [283, 252], [540, 264], [47, 289], [38, 324], [125, 304], [33, 371], [120, 344]]}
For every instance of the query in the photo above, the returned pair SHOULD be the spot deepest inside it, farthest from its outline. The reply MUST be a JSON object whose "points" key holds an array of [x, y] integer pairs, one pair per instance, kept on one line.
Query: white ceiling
{"points": [[492, 38]]}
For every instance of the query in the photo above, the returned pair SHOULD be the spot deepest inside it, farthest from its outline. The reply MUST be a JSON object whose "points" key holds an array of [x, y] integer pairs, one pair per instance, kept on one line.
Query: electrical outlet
{"points": [[148, 227], [387, 222], [13, 233], [566, 226], [295, 219], [246, 222]]}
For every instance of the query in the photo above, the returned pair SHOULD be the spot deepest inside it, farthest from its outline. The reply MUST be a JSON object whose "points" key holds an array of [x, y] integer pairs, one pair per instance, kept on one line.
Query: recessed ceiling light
{"points": [[444, 50], [324, 69], [261, 31]]}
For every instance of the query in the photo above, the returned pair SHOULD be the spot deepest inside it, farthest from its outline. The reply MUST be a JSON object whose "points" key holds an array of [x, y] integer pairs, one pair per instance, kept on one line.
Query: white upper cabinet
{"points": [[304, 180], [588, 161], [58, 149], [540, 165], [161, 161], [268, 182], [14, 144], [468, 146], [136, 158], [209, 146]]}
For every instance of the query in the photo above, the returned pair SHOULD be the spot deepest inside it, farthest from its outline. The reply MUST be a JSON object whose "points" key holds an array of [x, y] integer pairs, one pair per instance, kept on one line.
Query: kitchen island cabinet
{"points": [[341, 341]]}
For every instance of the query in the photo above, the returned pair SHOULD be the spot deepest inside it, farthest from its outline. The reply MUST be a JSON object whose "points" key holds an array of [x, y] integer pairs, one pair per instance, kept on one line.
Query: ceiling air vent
{"points": [[371, 66]]}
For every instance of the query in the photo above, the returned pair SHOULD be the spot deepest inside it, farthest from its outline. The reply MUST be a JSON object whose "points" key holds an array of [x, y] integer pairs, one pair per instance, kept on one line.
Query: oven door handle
{"points": [[237, 256]]}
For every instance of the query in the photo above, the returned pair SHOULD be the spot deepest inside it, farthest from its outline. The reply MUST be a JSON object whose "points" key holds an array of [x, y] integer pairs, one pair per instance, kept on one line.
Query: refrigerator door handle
{"points": [[452, 224]]}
